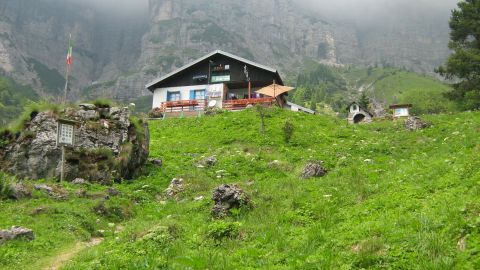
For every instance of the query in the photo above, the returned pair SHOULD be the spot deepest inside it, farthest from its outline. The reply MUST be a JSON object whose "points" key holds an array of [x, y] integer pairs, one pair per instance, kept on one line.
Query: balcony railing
{"points": [[183, 105], [200, 105], [239, 104]]}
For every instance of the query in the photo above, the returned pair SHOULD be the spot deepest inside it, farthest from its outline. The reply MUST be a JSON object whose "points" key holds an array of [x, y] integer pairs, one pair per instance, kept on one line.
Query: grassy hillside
{"points": [[321, 85], [392, 199]]}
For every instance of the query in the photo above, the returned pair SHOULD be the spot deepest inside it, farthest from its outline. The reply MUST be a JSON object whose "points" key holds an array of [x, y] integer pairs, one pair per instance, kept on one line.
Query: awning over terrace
{"points": [[274, 90]]}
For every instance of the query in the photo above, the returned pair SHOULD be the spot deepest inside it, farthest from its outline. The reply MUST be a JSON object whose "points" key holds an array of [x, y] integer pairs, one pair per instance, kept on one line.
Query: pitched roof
{"points": [[395, 106], [206, 57]]}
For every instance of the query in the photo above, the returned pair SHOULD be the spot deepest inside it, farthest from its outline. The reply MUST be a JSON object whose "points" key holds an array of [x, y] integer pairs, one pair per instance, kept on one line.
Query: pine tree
{"points": [[364, 101], [463, 66]]}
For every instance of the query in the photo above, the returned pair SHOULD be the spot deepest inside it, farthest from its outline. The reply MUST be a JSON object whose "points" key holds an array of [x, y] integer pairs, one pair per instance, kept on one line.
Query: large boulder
{"points": [[227, 197], [16, 233], [108, 146], [314, 169], [415, 123]]}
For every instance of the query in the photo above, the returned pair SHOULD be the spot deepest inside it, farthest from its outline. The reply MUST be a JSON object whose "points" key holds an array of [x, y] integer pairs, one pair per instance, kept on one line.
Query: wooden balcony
{"points": [[200, 105], [240, 104], [183, 105]]}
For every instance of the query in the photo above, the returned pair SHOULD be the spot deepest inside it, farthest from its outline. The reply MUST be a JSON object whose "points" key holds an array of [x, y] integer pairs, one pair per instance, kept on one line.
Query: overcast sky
{"points": [[370, 12], [359, 11]]}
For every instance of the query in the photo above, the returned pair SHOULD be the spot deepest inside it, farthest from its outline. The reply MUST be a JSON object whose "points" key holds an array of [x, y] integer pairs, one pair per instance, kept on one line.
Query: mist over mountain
{"points": [[121, 45]]}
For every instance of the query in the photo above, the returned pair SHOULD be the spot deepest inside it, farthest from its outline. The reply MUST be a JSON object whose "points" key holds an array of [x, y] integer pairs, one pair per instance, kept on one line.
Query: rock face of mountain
{"points": [[34, 42], [115, 56]]}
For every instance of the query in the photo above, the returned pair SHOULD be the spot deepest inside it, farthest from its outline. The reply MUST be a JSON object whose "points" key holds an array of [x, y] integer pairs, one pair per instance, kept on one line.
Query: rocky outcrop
{"points": [[227, 197], [415, 123], [108, 146], [314, 169], [16, 233]]}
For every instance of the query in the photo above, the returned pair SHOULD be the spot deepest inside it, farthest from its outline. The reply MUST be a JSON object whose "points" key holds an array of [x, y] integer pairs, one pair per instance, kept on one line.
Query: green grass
{"points": [[392, 199]]}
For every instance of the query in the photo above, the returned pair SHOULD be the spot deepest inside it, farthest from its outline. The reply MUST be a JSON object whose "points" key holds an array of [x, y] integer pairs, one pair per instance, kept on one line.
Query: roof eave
{"points": [[154, 82]]}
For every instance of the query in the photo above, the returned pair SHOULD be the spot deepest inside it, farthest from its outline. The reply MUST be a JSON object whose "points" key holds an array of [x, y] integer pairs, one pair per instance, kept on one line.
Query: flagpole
{"points": [[67, 72]]}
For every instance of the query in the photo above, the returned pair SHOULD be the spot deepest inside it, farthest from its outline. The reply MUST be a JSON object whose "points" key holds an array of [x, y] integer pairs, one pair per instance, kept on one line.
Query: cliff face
{"points": [[115, 56], [34, 41]]}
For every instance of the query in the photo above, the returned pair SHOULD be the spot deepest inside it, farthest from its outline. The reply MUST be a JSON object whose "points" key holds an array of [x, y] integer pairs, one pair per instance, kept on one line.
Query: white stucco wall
{"points": [[160, 94]]}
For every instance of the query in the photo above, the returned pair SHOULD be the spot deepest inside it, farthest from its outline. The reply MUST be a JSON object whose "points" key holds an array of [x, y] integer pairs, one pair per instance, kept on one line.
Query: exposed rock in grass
{"points": [[273, 164], [20, 191], [227, 197], [54, 192], [156, 162], [79, 181], [198, 198], [176, 186], [43, 187], [415, 123], [16, 233], [209, 161], [314, 169], [113, 192], [87, 106]]}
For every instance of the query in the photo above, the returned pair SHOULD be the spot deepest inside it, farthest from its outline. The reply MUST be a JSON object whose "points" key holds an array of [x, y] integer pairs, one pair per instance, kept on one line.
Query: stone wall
{"points": [[108, 145]]}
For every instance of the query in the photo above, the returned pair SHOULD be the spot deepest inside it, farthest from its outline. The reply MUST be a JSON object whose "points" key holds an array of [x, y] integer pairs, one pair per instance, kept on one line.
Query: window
{"points": [[199, 94], [173, 96]]}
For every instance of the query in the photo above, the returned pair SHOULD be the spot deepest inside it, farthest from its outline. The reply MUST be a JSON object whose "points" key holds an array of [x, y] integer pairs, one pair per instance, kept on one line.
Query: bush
{"points": [[6, 189], [103, 103], [114, 211], [288, 130], [222, 229], [155, 113]]}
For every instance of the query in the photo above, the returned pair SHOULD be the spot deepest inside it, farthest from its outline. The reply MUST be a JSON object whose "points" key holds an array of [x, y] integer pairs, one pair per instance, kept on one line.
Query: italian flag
{"points": [[69, 55], [70, 52]]}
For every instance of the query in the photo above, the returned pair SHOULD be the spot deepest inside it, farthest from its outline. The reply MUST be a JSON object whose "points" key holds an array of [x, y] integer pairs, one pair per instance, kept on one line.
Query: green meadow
{"points": [[392, 199]]}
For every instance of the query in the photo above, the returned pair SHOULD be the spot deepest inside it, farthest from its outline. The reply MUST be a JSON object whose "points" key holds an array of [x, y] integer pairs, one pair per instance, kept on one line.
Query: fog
{"points": [[120, 7], [377, 12], [361, 12]]}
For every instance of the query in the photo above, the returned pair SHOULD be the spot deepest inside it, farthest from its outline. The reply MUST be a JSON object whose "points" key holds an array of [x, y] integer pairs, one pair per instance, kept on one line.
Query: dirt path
{"points": [[63, 258]]}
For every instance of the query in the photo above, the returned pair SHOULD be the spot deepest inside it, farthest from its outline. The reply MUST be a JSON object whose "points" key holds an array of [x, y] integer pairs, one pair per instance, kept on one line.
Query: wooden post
{"points": [[274, 94], [249, 89], [62, 168]]}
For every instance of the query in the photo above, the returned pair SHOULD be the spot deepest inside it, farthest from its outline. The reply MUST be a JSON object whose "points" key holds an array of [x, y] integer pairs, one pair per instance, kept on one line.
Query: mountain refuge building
{"points": [[217, 80]]}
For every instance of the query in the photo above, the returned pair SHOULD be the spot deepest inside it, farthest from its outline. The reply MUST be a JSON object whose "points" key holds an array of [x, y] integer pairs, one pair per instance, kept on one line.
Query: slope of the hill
{"points": [[392, 199], [321, 85]]}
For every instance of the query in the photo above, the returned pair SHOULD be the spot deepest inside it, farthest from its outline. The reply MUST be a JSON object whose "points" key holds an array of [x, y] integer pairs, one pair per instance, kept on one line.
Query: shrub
{"points": [[221, 229], [103, 103], [288, 130], [155, 113], [6, 190], [114, 211]]}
